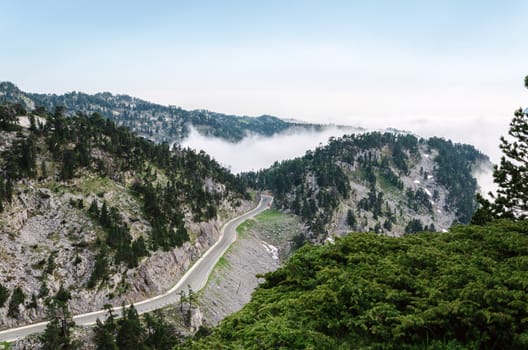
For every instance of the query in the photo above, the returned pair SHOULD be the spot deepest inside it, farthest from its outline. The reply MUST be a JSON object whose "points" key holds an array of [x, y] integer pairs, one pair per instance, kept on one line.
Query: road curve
{"points": [[196, 277]]}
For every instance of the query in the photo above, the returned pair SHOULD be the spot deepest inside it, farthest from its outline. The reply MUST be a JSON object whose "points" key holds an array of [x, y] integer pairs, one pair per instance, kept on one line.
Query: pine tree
{"points": [[351, 218], [17, 298], [511, 176], [4, 294], [57, 334], [130, 334], [512, 173], [160, 335], [105, 332], [94, 209]]}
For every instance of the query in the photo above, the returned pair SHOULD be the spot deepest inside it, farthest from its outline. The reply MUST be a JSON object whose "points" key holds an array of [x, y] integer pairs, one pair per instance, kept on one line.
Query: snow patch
{"points": [[271, 249], [429, 177], [416, 181], [444, 230], [428, 192], [23, 121]]}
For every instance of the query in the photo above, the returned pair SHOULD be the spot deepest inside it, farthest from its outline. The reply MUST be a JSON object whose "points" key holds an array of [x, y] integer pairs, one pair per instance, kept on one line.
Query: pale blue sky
{"points": [[373, 63]]}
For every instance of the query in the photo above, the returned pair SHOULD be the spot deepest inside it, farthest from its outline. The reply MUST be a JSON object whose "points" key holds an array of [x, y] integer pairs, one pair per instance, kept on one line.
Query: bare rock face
{"points": [[197, 320], [46, 239], [160, 271]]}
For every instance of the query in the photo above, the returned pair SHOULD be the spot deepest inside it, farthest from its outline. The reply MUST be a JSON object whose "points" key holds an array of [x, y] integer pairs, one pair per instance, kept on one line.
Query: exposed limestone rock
{"points": [[43, 237]]}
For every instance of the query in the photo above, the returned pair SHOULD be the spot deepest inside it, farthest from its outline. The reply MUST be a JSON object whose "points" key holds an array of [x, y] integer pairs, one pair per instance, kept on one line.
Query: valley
{"points": [[90, 209]]}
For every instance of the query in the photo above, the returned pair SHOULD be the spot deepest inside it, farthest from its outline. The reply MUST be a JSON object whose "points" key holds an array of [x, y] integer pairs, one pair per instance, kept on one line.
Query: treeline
{"points": [[312, 201], [458, 290], [454, 172], [20, 160], [152, 332]]}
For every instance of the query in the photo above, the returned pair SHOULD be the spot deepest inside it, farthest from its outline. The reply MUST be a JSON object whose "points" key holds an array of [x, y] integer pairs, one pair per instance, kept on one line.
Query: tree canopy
{"points": [[462, 289]]}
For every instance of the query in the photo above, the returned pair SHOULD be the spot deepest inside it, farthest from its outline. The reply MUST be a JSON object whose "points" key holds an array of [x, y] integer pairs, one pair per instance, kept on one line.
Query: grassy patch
{"points": [[386, 186], [358, 175], [222, 263], [252, 195], [95, 185], [271, 217], [276, 227], [244, 227]]}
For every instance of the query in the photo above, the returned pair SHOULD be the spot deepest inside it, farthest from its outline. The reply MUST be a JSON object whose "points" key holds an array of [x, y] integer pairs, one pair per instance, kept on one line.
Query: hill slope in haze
{"points": [[153, 121], [382, 182]]}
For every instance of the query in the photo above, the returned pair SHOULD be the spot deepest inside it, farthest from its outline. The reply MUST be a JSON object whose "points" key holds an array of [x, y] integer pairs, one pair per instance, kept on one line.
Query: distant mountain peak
{"points": [[154, 121]]}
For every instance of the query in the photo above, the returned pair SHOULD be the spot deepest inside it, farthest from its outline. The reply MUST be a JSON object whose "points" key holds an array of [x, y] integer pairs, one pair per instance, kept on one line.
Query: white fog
{"points": [[256, 152]]}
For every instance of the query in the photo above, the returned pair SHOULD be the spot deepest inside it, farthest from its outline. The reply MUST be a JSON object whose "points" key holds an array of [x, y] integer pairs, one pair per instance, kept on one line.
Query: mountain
{"points": [[156, 122], [382, 182], [88, 205], [91, 207]]}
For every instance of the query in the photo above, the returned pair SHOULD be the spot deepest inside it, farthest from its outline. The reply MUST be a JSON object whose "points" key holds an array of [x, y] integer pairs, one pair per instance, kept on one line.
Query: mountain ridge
{"points": [[108, 215], [155, 121]]}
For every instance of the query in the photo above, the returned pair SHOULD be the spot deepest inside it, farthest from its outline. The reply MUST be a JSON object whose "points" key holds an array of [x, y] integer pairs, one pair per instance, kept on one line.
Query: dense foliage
{"points": [[454, 171], [130, 332], [57, 335], [462, 289]]}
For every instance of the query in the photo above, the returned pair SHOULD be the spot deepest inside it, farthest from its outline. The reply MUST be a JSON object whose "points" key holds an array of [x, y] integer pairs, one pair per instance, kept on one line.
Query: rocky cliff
{"points": [[119, 226]]}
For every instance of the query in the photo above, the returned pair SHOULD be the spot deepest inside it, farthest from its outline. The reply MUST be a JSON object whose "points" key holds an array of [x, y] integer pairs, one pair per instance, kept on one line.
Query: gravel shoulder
{"points": [[262, 244]]}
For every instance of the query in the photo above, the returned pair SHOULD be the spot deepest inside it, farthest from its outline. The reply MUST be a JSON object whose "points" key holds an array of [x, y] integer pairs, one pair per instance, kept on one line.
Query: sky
{"points": [[446, 68]]}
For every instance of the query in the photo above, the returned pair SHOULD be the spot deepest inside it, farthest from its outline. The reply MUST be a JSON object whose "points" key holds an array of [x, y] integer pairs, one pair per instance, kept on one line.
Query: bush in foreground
{"points": [[462, 289]]}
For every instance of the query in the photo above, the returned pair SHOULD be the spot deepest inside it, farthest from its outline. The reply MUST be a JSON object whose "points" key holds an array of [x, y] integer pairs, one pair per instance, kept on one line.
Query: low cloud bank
{"points": [[255, 152], [484, 176]]}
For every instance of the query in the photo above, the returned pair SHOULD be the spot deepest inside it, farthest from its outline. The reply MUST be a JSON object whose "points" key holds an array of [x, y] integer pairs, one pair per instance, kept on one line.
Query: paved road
{"points": [[196, 277]]}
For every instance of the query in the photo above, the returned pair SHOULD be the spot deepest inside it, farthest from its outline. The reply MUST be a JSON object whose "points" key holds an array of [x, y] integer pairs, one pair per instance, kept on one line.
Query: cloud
{"points": [[255, 152], [484, 177]]}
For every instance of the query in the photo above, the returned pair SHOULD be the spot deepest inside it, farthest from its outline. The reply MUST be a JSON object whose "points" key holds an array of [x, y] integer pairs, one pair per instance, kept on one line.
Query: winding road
{"points": [[196, 277]]}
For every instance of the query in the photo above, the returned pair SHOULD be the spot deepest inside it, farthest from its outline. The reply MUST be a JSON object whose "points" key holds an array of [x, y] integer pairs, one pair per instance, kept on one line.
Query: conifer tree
{"points": [[57, 334], [511, 175], [105, 332], [131, 334]]}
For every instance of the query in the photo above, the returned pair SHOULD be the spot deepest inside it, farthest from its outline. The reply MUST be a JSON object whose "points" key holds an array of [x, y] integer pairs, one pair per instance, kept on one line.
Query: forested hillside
{"points": [[385, 182], [83, 202], [458, 290], [157, 122]]}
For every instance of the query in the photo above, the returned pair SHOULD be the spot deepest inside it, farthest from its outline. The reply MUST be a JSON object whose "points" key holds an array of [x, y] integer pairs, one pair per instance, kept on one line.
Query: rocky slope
{"points": [[388, 183], [50, 236], [263, 244]]}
